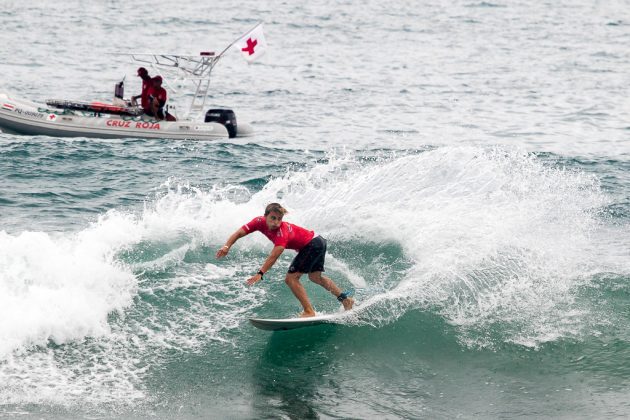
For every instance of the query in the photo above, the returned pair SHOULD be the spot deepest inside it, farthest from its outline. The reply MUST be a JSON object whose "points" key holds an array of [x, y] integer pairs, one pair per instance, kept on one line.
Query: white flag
{"points": [[253, 44]]}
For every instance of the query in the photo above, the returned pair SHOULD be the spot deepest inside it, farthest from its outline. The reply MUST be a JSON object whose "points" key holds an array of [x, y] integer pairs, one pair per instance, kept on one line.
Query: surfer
{"points": [[311, 250]]}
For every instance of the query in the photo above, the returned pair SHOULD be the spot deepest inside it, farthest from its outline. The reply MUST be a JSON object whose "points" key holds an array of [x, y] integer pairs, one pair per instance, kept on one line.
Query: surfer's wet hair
{"points": [[275, 208]]}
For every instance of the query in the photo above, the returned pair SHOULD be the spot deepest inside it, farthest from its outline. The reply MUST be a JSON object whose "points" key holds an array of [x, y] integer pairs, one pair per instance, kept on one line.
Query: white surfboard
{"points": [[292, 323]]}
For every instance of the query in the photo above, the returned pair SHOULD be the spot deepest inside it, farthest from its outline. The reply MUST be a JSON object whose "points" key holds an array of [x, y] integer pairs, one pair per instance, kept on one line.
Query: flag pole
{"points": [[237, 39]]}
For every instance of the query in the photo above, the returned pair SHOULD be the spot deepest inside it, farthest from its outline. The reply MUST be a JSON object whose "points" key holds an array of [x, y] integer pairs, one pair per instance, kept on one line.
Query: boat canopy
{"points": [[180, 69]]}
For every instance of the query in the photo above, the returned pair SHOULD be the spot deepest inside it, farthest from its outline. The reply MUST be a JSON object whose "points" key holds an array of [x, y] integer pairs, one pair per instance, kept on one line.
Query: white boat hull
{"points": [[25, 117]]}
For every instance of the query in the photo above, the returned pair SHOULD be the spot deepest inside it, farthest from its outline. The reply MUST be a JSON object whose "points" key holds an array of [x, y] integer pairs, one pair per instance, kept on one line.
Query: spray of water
{"points": [[498, 242]]}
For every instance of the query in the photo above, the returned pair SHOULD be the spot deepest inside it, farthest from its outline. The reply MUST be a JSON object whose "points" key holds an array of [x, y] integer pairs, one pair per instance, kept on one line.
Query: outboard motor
{"points": [[225, 117]]}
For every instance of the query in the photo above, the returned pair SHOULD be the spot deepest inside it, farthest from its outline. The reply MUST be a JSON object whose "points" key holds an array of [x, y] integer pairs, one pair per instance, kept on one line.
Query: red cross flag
{"points": [[253, 44]]}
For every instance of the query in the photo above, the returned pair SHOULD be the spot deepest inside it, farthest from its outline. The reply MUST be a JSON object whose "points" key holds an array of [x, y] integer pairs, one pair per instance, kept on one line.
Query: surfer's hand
{"points": [[223, 251], [254, 279]]}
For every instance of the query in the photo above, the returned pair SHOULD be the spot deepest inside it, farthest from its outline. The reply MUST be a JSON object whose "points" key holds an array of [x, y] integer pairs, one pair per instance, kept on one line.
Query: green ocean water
{"points": [[121, 309]]}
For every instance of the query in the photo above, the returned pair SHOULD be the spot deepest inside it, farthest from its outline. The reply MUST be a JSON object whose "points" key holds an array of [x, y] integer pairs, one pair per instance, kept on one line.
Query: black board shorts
{"points": [[310, 258]]}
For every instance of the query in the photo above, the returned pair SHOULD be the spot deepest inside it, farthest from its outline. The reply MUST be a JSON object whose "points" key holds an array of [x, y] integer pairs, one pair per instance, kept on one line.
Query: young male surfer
{"points": [[310, 258]]}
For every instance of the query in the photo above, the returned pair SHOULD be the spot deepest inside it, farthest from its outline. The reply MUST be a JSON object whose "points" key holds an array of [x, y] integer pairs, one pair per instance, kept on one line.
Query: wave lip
{"points": [[59, 288]]}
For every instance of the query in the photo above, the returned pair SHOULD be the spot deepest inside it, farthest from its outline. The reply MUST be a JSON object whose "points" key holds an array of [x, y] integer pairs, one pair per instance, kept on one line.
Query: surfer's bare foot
{"points": [[347, 303], [306, 314]]}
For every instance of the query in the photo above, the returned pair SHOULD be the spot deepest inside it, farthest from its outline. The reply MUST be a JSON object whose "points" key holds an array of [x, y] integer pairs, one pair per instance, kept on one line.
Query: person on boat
{"points": [[311, 250], [147, 84], [157, 98]]}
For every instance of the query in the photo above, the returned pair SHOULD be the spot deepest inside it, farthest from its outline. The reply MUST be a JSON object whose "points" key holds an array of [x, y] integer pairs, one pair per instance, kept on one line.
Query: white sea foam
{"points": [[59, 288], [63, 289]]}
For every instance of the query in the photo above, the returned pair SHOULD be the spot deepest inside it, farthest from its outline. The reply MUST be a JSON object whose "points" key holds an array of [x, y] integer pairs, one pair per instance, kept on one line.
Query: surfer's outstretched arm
{"points": [[223, 251], [269, 262]]}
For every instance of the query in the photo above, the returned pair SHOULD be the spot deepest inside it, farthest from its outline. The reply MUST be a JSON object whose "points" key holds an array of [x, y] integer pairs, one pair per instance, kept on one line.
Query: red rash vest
{"points": [[288, 235], [146, 90], [160, 95]]}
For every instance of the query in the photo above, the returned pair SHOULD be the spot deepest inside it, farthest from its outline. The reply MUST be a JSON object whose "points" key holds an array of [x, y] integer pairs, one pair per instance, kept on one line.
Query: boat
{"points": [[122, 118]]}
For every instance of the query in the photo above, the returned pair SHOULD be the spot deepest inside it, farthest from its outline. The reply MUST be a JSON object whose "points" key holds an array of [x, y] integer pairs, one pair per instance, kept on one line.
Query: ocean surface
{"points": [[468, 162]]}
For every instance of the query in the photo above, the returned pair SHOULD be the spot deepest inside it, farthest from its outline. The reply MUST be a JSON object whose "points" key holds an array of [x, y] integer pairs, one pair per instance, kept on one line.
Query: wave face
{"points": [[493, 245]]}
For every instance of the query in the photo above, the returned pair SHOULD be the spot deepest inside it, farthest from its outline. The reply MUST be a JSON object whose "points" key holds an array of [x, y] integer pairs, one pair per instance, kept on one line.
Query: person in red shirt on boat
{"points": [[311, 250], [147, 84], [157, 98]]}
